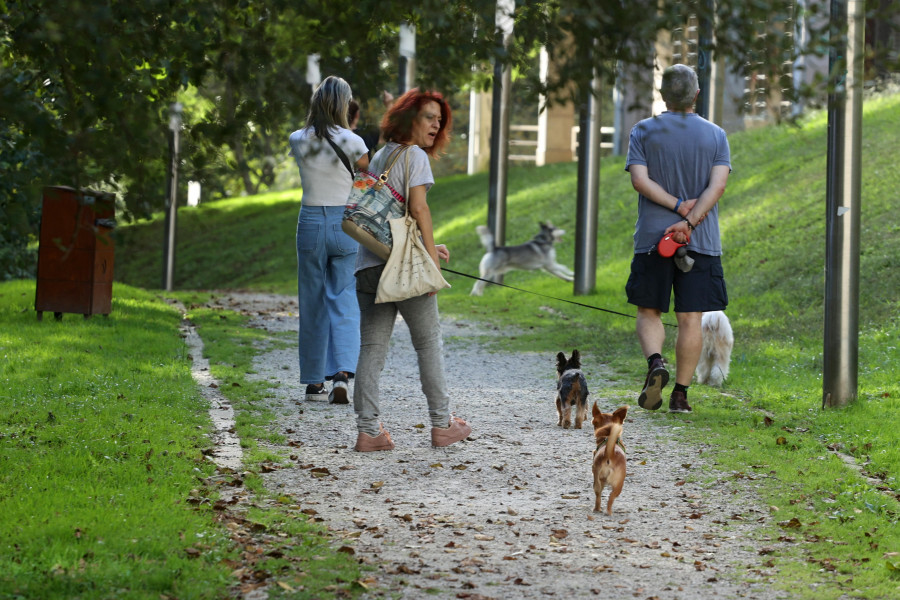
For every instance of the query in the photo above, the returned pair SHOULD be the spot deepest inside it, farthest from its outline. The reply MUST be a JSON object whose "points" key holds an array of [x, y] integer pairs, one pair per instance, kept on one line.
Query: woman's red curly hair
{"points": [[396, 126]]}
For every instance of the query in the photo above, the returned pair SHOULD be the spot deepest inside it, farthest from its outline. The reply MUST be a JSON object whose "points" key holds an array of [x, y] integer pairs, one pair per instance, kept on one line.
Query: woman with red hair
{"points": [[421, 121]]}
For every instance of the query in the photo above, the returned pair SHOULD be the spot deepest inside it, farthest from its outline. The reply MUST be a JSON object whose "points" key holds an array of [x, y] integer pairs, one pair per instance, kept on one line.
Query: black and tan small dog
{"points": [[571, 390], [609, 458]]}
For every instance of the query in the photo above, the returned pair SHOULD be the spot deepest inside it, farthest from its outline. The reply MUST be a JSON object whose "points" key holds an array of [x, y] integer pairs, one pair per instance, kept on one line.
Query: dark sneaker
{"points": [[678, 403], [339, 389], [315, 392], [657, 378]]}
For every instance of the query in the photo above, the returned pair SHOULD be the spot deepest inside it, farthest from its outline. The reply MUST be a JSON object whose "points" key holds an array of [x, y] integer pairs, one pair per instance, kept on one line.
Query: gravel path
{"points": [[508, 513]]}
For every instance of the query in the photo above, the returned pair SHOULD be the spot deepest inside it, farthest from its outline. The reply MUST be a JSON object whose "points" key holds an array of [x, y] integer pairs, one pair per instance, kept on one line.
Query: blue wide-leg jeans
{"points": [[326, 290]]}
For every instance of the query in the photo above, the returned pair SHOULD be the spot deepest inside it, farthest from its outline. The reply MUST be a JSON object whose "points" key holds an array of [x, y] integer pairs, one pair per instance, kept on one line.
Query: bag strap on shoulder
{"points": [[341, 155], [391, 159]]}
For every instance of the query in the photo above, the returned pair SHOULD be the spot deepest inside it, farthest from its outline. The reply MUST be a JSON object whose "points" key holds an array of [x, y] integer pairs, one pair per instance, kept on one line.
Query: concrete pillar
{"points": [[554, 124], [479, 131], [407, 65], [632, 102], [731, 115]]}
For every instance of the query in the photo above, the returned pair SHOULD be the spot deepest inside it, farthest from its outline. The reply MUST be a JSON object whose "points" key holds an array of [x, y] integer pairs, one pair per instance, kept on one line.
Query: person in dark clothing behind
{"points": [[372, 135]]}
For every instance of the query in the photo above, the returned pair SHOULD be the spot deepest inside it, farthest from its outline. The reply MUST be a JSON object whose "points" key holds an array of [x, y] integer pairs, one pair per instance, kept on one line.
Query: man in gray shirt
{"points": [[679, 164]]}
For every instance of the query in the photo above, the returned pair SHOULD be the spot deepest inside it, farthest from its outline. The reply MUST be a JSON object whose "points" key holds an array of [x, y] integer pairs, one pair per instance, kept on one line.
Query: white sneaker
{"points": [[339, 390]]}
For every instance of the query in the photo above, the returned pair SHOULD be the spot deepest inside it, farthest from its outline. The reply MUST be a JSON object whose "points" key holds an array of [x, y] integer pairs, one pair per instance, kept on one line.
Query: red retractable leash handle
{"points": [[667, 245]]}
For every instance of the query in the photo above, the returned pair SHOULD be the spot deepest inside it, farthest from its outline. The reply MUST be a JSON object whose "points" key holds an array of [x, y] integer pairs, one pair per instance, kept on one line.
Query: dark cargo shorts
{"points": [[653, 278]]}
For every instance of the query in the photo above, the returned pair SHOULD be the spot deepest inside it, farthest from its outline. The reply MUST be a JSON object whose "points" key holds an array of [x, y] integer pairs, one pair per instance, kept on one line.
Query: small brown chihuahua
{"points": [[609, 457]]}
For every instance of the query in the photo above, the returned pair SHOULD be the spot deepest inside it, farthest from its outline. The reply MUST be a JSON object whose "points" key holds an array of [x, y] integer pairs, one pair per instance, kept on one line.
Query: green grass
{"points": [[104, 489], [101, 432], [827, 520]]}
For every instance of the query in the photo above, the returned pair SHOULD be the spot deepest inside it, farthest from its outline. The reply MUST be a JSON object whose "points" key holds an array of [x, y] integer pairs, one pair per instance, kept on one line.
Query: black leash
{"points": [[546, 296]]}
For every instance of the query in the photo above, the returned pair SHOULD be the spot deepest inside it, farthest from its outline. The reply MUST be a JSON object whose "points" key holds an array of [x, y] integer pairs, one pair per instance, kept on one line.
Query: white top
{"points": [[325, 179]]}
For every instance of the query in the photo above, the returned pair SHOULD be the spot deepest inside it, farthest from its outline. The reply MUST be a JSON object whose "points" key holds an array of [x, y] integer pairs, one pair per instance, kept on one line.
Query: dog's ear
{"points": [[560, 363], [619, 414], [575, 361], [595, 411]]}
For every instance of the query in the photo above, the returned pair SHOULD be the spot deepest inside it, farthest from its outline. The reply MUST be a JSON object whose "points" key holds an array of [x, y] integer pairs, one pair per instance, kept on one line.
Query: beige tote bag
{"points": [[409, 271]]}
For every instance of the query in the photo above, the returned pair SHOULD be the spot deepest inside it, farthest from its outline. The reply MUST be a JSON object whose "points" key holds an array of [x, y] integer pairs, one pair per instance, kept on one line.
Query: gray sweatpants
{"points": [[376, 325]]}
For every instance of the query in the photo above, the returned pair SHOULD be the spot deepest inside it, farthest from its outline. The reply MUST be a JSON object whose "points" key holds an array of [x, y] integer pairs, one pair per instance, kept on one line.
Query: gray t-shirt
{"points": [[679, 151], [419, 174]]}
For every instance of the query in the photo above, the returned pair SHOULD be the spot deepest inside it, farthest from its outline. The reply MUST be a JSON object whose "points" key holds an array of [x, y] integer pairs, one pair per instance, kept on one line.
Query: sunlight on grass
{"points": [[99, 424]]}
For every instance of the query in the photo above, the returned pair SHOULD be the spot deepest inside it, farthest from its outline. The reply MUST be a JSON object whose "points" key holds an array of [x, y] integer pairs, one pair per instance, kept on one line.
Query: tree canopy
{"points": [[86, 85]]}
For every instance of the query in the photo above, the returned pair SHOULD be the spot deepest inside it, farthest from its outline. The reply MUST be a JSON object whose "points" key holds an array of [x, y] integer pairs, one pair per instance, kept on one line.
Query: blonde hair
{"points": [[329, 105]]}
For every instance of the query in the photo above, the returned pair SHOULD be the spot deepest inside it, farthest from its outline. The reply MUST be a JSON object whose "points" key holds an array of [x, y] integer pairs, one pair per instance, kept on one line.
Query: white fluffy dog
{"points": [[718, 340]]}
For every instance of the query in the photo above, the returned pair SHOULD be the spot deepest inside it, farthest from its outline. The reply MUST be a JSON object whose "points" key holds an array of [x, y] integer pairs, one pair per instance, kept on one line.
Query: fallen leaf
{"points": [[792, 524]]}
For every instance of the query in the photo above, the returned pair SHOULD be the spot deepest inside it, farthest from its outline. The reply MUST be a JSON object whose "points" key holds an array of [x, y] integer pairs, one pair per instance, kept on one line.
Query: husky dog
{"points": [[718, 340], [535, 254]]}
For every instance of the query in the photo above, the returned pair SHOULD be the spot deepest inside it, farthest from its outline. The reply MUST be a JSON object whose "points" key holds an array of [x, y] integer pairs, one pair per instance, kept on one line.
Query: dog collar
{"points": [[602, 442]]}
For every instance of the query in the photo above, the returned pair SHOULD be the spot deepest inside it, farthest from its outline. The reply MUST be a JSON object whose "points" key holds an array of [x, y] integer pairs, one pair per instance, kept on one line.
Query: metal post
{"points": [[172, 199], [841, 347], [588, 189], [500, 129], [407, 66], [704, 60]]}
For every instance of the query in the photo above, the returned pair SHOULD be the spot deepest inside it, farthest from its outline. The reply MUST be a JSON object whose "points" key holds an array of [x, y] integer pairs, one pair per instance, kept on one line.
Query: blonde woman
{"points": [[329, 313]]}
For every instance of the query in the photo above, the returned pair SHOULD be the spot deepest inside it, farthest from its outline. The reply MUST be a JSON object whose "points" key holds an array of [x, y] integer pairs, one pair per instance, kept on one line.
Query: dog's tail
{"points": [[612, 432], [487, 238], [574, 388]]}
